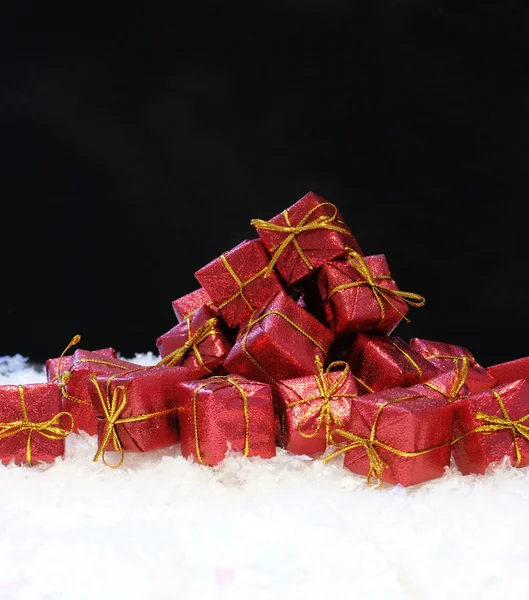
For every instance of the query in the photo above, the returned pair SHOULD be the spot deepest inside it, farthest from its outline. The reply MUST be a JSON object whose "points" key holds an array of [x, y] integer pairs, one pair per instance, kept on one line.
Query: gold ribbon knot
{"points": [[113, 405], [50, 429], [380, 293], [328, 222], [328, 391], [461, 374], [193, 340]]}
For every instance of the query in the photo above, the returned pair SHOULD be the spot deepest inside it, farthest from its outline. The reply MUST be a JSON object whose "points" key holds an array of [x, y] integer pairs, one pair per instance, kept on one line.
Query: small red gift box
{"points": [[63, 363], [219, 413], [398, 437], [136, 412], [32, 425], [281, 341], [304, 237], [71, 375], [510, 371], [491, 425], [197, 344], [449, 357], [313, 407], [358, 294], [185, 306], [381, 362], [449, 385], [238, 281]]}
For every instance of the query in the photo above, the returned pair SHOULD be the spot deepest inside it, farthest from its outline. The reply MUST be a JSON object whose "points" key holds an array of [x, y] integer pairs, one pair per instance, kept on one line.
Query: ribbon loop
{"points": [[193, 340], [328, 222]]}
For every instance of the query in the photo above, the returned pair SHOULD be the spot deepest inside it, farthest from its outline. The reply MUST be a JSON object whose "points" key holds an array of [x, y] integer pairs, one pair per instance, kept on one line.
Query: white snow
{"points": [[161, 527]]}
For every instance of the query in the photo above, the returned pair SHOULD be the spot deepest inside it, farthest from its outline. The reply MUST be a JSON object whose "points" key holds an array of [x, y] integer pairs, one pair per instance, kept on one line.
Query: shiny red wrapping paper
{"points": [[42, 403], [449, 357], [281, 341], [382, 362], [141, 395], [214, 416], [236, 281], [413, 425], [313, 407], [447, 385], [362, 307], [492, 424], [510, 371], [65, 363], [309, 248], [186, 305], [196, 344], [74, 384]]}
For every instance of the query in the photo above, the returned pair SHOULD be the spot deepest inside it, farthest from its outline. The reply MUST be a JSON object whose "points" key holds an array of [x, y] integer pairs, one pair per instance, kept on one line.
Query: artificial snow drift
{"points": [[289, 527]]}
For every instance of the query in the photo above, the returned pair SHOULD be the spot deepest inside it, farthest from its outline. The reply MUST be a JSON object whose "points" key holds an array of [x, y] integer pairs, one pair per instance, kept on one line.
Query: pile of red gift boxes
{"points": [[286, 343]]}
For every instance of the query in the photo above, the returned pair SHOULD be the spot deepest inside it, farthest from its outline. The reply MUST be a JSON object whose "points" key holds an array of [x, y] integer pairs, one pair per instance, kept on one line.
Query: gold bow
{"points": [[292, 231], [328, 391], [113, 405], [461, 374], [232, 381], [193, 340], [50, 429], [494, 424], [380, 293], [370, 445]]}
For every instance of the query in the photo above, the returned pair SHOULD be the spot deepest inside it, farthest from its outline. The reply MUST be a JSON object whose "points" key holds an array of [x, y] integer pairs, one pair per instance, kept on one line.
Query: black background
{"points": [[137, 143]]}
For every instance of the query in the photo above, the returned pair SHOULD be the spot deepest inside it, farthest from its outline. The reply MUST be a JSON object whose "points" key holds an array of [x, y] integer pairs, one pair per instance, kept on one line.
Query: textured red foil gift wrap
{"points": [[313, 407], [281, 341], [510, 371], [491, 425], [304, 237], [196, 344], [74, 383], [382, 362], [33, 425], [449, 357], [238, 282], [398, 437], [358, 294], [64, 363], [449, 385], [219, 413], [185, 306], [136, 412]]}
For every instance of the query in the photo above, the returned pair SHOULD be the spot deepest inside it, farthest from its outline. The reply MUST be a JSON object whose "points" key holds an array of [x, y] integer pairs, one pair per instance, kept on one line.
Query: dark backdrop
{"points": [[136, 145]]}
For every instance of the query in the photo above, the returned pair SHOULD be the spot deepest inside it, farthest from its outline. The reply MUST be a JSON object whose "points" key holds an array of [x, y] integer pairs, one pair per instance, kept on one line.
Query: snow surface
{"points": [[161, 527]]}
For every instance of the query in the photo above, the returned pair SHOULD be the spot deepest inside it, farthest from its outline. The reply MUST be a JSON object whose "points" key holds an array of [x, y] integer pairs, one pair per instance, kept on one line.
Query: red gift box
{"points": [[32, 425], [238, 281], [136, 412], [185, 306], [197, 344], [281, 341], [63, 363], [381, 362], [219, 413], [313, 407], [510, 371], [491, 425], [449, 385], [304, 237], [71, 375], [358, 294], [398, 437], [449, 357]]}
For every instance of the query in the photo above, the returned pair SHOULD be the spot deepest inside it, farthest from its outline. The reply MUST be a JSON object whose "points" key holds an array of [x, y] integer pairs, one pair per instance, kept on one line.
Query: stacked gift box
{"points": [[287, 342]]}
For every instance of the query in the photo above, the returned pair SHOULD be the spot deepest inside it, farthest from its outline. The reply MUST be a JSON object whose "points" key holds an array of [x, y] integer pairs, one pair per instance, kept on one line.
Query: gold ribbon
{"points": [[328, 222], [461, 374], [193, 340], [253, 322], [408, 358], [113, 405], [50, 429], [370, 445], [494, 424], [240, 283], [380, 293], [328, 391], [232, 381]]}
